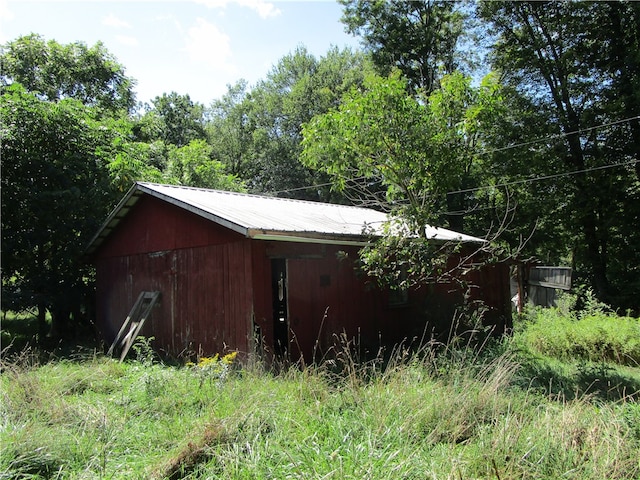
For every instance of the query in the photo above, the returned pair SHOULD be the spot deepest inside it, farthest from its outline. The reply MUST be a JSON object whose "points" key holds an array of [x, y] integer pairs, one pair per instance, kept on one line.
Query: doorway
{"points": [[280, 313]]}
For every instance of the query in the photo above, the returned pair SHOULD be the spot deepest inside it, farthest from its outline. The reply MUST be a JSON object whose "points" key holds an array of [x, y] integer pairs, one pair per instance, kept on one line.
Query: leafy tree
{"points": [[572, 60], [229, 131], [295, 90], [129, 162], [54, 71], [55, 192], [419, 148], [421, 38], [520, 148], [192, 165], [175, 119]]}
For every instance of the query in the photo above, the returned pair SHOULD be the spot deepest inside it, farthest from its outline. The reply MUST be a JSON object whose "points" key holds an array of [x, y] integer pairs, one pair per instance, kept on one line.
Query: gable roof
{"points": [[266, 218]]}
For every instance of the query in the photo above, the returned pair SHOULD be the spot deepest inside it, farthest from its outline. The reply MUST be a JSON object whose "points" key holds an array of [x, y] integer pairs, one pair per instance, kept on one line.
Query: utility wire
{"points": [[545, 177], [509, 147], [560, 135]]}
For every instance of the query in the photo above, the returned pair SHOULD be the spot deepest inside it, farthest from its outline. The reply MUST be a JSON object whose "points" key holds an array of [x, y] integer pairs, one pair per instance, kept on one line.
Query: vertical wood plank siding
{"points": [[262, 314], [356, 309], [205, 305], [201, 270]]}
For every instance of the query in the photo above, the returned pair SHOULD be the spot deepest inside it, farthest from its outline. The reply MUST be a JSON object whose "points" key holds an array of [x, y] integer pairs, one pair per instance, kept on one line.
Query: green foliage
{"points": [[378, 133], [54, 72], [229, 130], [55, 192], [131, 162], [418, 148], [19, 330], [570, 60], [420, 38], [401, 261], [571, 73], [175, 119], [261, 129], [143, 349], [192, 165], [593, 336]]}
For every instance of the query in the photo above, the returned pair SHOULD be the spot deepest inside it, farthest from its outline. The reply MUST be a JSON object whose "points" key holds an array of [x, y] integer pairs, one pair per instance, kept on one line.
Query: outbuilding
{"points": [[258, 274]]}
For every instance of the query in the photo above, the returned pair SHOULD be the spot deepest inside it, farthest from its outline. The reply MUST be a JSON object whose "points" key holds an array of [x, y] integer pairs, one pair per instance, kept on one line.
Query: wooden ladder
{"points": [[133, 323]]}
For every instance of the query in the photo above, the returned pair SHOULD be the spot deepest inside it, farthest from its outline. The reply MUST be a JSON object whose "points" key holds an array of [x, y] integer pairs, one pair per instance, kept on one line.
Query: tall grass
{"points": [[572, 353], [592, 335], [438, 414]]}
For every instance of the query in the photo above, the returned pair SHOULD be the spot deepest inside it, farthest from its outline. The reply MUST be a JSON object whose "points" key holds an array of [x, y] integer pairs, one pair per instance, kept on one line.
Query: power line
{"points": [[509, 147], [505, 184], [560, 135], [545, 177]]}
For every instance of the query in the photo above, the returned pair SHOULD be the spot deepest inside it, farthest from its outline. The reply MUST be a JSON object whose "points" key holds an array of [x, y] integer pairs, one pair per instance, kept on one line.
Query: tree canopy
{"points": [[420, 38], [258, 133], [54, 71], [420, 148], [572, 60], [55, 192]]}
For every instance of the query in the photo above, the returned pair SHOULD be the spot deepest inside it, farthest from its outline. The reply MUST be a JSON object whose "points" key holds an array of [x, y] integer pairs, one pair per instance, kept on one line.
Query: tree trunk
{"points": [[43, 329], [588, 220], [455, 212]]}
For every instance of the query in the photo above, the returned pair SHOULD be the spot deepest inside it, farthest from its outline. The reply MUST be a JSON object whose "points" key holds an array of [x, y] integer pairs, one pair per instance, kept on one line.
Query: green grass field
{"points": [[551, 401]]}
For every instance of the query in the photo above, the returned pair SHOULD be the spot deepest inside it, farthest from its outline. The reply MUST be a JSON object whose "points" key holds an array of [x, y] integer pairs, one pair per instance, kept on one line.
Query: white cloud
{"points": [[263, 8], [127, 40], [112, 21], [207, 45]]}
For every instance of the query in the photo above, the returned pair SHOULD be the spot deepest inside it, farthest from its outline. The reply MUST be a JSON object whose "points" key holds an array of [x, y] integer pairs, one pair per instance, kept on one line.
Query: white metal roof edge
{"points": [[150, 185], [259, 234], [308, 237], [455, 236]]}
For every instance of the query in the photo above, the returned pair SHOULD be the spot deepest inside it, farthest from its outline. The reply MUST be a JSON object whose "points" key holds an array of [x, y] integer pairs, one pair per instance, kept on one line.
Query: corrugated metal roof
{"points": [[264, 217], [253, 213]]}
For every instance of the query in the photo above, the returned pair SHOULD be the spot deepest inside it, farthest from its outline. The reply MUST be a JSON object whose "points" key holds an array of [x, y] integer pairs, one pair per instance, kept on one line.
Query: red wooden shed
{"points": [[253, 273]]}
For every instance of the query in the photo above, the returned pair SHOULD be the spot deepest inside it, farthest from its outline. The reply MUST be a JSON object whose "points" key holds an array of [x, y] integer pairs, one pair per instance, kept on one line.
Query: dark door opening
{"points": [[279, 296]]}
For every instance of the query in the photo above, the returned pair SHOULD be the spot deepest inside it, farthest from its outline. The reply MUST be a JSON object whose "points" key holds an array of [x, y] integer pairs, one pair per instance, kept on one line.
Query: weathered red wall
{"points": [[327, 298], [153, 225], [490, 284], [203, 272]]}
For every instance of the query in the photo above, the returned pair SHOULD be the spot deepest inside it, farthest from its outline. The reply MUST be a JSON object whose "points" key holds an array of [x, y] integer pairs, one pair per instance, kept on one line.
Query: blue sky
{"points": [[194, 47]]}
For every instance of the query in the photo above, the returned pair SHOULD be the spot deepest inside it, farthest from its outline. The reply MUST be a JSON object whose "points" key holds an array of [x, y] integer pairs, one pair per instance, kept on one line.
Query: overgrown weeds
{"points": [[593, 333], [572, 353], [436, 412]]}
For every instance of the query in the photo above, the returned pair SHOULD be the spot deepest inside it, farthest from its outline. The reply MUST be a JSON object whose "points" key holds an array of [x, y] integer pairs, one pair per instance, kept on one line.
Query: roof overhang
{"points": [[193, 209], [115, 217], [307, 237]]}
